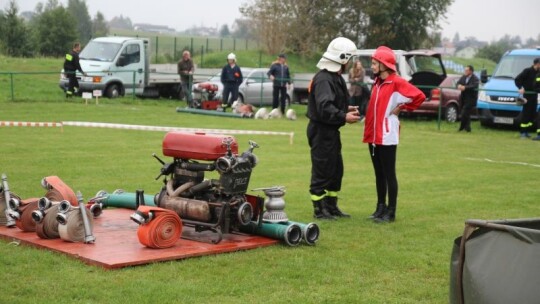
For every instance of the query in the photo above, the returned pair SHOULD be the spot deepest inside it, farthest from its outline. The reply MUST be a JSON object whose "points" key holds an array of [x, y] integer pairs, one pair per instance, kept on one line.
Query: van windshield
{"points": [[100, 51], [510, 66]]}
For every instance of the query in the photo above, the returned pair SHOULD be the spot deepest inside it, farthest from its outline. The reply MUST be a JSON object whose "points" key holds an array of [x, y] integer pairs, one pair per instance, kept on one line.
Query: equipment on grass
{"points": [[25, 221], [310, 231], [118, 199], [291, 234], [274, 204], [159, 228], [217, 205], [45, 218], [204, 96], [11, 204]]}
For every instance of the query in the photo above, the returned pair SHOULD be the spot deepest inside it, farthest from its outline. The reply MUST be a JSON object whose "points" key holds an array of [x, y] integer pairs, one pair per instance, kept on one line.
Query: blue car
{"points": [[497, 98]]}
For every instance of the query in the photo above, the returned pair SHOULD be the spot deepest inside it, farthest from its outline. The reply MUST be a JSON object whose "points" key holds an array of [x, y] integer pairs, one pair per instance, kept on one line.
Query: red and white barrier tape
{"points": [[167, 129], [140, 127]]}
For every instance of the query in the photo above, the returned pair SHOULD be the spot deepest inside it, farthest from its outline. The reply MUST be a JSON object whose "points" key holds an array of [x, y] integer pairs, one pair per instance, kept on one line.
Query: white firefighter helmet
{"points": [[291, 114], [231, 56], [235, 105], [275, 113], [338, 53], [262, 113]]}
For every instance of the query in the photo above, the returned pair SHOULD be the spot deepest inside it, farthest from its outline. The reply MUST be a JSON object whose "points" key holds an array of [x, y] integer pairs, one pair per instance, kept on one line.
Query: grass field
{"points": [[443, 178]]}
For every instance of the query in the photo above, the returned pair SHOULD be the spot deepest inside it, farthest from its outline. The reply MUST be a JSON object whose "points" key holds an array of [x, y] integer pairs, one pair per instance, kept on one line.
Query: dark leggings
{"points": [[384, 164]]}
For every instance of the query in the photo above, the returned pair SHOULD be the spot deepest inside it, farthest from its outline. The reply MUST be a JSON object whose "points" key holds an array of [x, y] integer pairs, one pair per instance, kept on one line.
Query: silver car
{"points": [[256, 89]]}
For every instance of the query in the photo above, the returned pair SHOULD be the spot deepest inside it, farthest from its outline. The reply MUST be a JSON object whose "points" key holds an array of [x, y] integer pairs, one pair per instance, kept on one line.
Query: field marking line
{"points": [[503, 162]]}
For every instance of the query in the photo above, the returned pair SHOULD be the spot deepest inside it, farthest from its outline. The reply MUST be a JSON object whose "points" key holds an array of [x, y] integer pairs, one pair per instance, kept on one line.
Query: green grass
{"points": [[355, 261]]}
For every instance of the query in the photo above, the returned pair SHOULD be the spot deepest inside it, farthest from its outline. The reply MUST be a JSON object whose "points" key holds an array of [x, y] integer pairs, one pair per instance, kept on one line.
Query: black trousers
{"points": [[73, 82], [326, 158], [279, 94], [384, 165], [466, 116], [232, 90], [528, 114]]}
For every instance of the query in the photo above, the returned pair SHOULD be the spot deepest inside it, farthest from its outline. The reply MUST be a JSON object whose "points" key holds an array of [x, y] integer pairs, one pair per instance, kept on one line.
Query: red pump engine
{"points": [[219, 205]]}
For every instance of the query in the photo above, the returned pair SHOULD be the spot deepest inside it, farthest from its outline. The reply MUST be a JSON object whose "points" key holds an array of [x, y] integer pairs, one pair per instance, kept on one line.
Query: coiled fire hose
{"points": [[57, 190], [117, 199], [159, 228], [71, 224], [4, 220], [25, 221], [45, 218]]}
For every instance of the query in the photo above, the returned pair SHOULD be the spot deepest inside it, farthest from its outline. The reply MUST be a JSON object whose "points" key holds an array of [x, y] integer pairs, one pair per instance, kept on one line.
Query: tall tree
{"points": [[121, 23], [224, 31], [14, 33], [55, 31], [79, 11], [99, 26]]}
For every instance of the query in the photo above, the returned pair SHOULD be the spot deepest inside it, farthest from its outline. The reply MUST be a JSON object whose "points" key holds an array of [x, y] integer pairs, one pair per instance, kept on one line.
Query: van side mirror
{"points": [[483, 76], [122, 61]]}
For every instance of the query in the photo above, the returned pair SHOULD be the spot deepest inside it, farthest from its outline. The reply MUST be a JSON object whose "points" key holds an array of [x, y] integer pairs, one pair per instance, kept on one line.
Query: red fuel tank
{"points": [[197, 146]]}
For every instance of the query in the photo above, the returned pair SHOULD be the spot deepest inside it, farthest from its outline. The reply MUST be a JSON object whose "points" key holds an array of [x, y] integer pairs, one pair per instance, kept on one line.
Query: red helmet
{"points": [[386, 56]]}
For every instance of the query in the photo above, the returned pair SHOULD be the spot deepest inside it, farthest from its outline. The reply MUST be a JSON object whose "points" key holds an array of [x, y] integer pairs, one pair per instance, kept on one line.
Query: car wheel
{"points": [[113, 91], [451, 113]]}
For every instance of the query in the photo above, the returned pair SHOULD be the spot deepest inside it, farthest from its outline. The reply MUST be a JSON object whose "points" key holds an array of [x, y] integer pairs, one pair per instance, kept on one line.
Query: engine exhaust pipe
{"points": [[187, 208], [291, 234]]}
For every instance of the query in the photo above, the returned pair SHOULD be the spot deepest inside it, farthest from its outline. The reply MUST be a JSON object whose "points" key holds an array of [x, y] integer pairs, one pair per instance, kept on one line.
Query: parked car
{"points": [[256, 89], [447, 96]]}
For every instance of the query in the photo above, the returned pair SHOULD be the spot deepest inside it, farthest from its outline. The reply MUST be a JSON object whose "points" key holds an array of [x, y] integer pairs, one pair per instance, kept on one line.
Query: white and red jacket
{"points": [[381, 126]]}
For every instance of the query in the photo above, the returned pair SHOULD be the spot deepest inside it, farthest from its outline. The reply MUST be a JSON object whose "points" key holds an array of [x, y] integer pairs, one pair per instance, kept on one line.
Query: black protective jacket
{"points": [[71, 63], [281, 74], [527, 80], [328, 99], [469, 96]]}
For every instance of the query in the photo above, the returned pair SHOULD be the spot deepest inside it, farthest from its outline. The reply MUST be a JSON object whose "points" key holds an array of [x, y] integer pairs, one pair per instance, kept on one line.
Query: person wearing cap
{"points": [[279, 74], [231, 78], [328, 110], [390, 94]]}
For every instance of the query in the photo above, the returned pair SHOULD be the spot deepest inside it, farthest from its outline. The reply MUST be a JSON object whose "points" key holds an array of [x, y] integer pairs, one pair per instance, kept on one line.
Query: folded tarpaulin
{"points": [[496, 262]]}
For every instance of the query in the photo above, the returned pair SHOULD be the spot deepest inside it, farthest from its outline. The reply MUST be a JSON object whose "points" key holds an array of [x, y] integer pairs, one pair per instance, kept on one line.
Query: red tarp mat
{"points": [[117, 245]]}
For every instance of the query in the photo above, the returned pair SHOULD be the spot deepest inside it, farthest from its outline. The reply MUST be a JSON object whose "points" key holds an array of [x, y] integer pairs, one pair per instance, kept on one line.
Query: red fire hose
{"points": [[161, 229], [58, 190], [48, 227], [25, 221]]}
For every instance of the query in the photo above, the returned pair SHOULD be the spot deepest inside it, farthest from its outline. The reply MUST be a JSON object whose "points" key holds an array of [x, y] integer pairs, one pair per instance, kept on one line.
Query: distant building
{"points": [[467, 53], [145, 27], [445, 51]]}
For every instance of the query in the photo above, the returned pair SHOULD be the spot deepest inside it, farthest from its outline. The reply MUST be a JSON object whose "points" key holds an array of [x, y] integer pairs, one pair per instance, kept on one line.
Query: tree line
{"points": [[306, 26], [50, 30]]}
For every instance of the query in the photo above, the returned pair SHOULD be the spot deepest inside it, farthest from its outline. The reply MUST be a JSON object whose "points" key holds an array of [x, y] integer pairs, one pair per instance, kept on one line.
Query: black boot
{"points": [[388, 216], [381, 208], [320, 210], [331, 204]]}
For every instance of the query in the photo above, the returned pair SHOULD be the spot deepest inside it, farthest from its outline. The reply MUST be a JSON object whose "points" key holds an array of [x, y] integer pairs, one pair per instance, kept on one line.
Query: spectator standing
{"points": [[390, 94], [356, 79], [468, 85], [526, 82], [231, 78], [328, 110], [71, 66], [280, 75], [186, 68]]}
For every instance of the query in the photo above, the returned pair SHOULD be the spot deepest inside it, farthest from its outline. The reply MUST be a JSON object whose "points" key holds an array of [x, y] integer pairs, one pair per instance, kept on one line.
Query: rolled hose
{"points": [[72, 230], [310, 231], [162, 231], [25, 221], [212, 113], [3, 206], [126, 200], [290, 234], [57, 190], [47, 228]]}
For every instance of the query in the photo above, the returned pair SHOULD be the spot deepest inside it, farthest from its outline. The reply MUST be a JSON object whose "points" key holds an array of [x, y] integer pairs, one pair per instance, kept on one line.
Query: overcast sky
{"points": [[484, 19]]}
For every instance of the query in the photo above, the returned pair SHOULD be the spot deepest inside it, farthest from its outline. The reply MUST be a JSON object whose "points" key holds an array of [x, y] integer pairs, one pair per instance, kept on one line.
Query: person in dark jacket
{"points": [[231, 78], [526, 83], [71, 66], [185, 70], [328, 110], [279, 74], [468, 85]]}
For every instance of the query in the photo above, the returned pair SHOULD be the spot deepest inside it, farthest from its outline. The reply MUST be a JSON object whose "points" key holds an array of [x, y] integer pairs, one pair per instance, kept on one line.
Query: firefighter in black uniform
{"points": [[71, 65], [329, 110], [526, 82]]}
